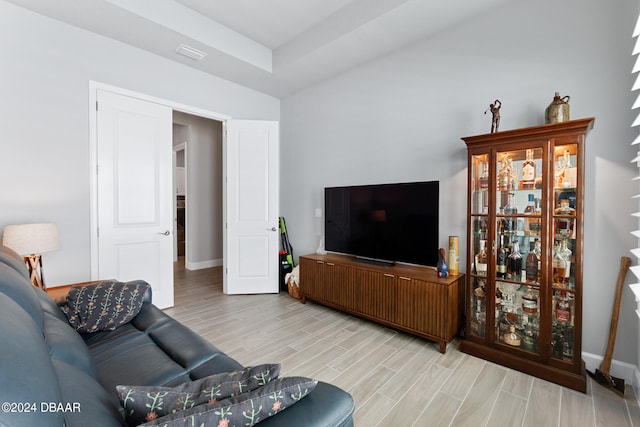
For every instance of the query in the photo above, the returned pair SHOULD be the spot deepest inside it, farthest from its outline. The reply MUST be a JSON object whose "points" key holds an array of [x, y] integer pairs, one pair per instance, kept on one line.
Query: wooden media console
{"points": [[408, 298]]}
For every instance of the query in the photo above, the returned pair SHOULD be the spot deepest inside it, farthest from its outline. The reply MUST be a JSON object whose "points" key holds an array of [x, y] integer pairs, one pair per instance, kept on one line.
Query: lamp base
{"points": [[34, 264]]}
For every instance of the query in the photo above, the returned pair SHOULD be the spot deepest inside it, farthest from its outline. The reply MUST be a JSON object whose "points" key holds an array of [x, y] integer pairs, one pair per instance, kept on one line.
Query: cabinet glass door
{"points": [[565, 230], [518, 265], [479, 256]]}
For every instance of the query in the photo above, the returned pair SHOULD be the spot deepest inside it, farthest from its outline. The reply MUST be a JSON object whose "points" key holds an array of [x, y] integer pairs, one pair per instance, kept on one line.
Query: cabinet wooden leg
{"points": [[443, 347], [303, 299]]}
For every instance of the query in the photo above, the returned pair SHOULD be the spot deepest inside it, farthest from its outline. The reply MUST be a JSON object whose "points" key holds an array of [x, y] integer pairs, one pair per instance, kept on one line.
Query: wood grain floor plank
{"points": [[611, 411], [518, 383], [464, 376], [481, 398], [417, 397], [373, 410], [351, 377], [408, 374], [508, 410], [543, 408], [576, 410], [440, 411]]}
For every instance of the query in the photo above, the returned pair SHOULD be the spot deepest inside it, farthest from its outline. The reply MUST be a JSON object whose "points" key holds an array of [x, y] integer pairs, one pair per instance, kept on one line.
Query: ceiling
{"points": [[274, 46]]}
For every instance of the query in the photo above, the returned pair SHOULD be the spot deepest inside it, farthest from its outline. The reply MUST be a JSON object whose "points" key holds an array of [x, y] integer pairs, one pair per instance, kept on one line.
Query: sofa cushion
{"points": [[86, 402], [65, 344], [150, 317], [246, 409], [146, 403], [104, 306], [182, 344], [136, 360], [103, 340], [218, 363]]}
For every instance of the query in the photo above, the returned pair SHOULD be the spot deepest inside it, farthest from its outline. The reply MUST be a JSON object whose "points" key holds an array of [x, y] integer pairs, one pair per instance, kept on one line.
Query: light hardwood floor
{"points": [[396, 379]]}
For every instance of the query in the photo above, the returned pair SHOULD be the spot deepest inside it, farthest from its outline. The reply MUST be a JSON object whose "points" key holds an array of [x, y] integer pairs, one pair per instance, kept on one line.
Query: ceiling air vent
{"points": [[190, 52]]}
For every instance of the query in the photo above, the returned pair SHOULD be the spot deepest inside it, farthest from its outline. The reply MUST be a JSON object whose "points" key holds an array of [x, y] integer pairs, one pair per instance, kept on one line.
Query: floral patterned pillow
{"points": [[247, 409], [104, 306], [146, 403]]}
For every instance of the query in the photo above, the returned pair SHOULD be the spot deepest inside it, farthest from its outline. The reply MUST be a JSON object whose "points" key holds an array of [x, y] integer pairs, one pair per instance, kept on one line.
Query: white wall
{"points": [[204, 190], [45, 69], [400, 118]]}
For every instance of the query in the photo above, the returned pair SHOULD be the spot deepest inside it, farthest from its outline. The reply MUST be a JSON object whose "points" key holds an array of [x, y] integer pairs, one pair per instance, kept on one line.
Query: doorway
{"points": [[180, 187], [197, 144]]}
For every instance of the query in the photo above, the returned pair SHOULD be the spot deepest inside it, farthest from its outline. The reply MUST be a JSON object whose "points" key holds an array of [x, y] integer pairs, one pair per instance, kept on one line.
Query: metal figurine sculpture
{"points": [[495, 113]]}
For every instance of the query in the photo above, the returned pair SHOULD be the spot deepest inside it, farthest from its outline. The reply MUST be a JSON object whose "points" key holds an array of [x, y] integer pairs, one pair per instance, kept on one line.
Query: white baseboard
{"points": [[628, 372], [203, 264]]}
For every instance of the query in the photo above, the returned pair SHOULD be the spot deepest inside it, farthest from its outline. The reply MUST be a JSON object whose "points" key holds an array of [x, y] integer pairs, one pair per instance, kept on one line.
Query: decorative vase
{"points": [[558, 110], [443, 268]]}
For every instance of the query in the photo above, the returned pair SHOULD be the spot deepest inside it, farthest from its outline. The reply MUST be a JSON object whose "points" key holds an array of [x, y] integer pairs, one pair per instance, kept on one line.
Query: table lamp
{"points": [[30, 241]]}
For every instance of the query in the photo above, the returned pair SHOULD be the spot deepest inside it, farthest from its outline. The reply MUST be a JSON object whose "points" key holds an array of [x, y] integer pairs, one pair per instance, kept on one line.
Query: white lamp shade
{"points": [[27, 239]]}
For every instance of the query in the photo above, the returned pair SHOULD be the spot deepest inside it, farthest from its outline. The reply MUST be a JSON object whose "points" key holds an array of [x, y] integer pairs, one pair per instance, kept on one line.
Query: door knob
{"points": [[271, 229], [166, 233]]}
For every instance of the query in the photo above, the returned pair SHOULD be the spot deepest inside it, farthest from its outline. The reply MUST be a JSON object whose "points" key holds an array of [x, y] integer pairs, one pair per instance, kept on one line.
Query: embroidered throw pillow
{"points": [[145, 403], [247, 409], [104, 306]]}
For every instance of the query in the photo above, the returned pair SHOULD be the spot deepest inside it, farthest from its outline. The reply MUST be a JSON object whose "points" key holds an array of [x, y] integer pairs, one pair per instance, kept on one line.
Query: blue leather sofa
{"points": [[50, 375]]}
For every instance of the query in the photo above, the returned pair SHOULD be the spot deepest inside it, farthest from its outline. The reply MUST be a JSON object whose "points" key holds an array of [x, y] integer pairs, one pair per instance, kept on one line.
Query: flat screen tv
{"points": [[386, 222]]}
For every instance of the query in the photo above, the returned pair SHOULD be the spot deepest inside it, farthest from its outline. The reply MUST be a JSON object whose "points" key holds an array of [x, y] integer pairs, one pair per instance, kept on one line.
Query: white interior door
{"points": [[134, 192], [251, 237]]}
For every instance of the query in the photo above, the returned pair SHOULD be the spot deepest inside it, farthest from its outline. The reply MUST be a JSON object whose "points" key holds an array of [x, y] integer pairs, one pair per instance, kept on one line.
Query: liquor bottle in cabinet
{"points": [[524, 290]]}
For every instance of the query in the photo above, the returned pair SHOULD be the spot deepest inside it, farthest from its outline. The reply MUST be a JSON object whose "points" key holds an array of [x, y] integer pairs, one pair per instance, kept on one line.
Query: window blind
{"points": [[635, 287]]}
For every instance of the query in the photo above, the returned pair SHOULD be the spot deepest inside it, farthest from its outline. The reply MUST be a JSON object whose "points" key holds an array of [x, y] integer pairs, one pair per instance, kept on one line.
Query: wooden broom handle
{"points": [[625, 262]]}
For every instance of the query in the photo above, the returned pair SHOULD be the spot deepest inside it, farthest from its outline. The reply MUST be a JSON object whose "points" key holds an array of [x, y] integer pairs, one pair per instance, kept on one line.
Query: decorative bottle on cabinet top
{"points": [[558, 110]]}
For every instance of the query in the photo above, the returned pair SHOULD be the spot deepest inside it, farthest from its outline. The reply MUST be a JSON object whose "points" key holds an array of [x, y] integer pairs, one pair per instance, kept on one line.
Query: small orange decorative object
{"points": [[293, 280]]}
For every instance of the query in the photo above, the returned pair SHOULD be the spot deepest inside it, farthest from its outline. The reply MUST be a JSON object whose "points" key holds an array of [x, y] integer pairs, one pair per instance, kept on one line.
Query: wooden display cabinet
{"points": [[525, 189]]}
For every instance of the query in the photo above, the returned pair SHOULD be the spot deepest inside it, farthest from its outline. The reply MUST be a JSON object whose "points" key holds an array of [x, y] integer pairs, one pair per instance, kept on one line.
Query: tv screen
{"points": [[388, 222]]}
